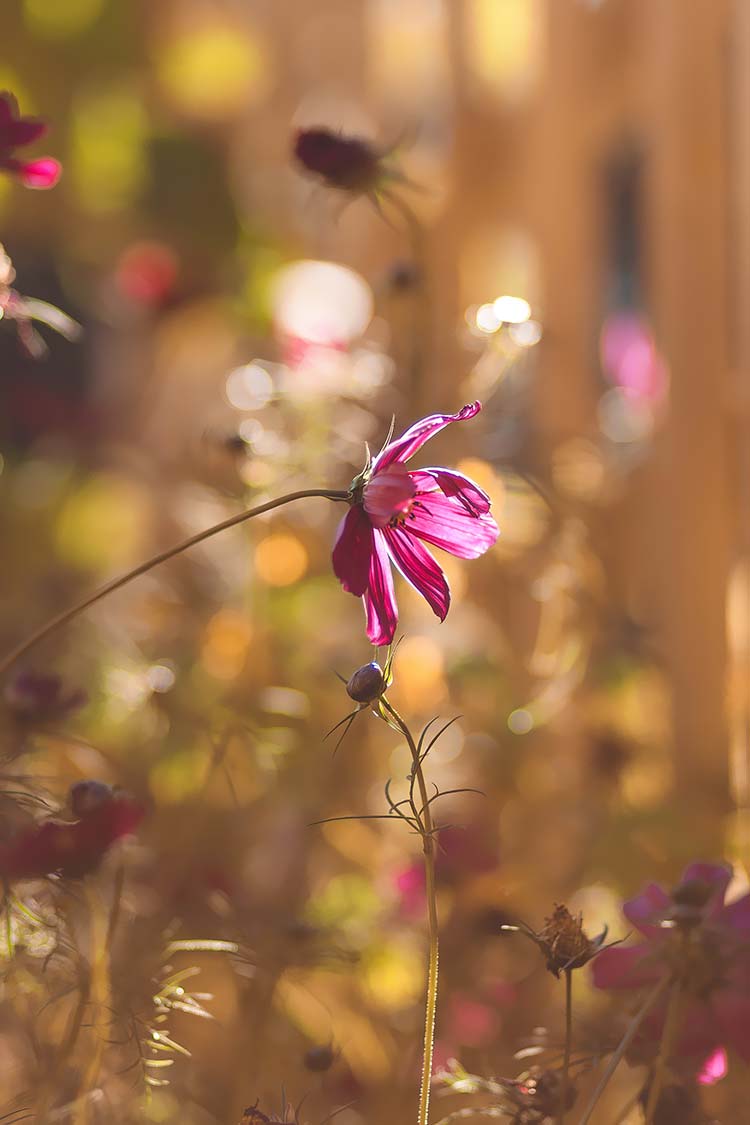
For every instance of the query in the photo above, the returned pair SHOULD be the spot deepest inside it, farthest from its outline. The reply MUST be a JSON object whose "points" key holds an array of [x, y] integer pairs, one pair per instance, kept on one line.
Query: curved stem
{"points": [[669, 1032], [116, 583], [622, 1047], [568, 1043], [427, 832]]}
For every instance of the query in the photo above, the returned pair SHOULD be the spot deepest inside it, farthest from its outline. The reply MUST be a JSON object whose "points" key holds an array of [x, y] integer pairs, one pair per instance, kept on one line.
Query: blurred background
{"points": [[573, 248]]}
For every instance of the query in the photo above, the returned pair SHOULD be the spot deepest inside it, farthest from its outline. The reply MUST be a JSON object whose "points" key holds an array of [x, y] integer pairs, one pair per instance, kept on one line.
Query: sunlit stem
{"points": [[427, 832], [568, 1043], [668, 1035], [617, 1057], [117, 583]]}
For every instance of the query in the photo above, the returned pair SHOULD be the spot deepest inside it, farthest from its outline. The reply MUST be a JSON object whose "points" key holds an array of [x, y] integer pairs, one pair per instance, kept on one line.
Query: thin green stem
{"points": [[668, 1035], [117, 583], [651, 1000], [427, 832], [568, 1044]]}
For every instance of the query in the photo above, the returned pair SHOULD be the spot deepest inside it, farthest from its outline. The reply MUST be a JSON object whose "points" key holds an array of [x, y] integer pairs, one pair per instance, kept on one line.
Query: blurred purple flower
{"points": [[393, 510], [16, 132], [40, 698], [72, 849], [694, 938]]}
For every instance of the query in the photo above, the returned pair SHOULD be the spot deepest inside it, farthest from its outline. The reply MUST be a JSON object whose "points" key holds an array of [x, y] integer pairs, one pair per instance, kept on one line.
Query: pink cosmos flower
{"points": [[698, 941], [394, 512], [16, 132]]}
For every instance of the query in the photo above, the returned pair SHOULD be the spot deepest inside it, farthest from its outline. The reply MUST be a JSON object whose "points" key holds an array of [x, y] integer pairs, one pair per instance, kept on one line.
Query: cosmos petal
{"points": [[379, 598], [414, 438], [352, 551], [445, 522], [419, 568]]}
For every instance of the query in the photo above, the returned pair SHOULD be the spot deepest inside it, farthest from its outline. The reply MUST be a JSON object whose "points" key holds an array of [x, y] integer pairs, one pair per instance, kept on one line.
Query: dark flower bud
{"points": [[367, 684], [86, 796], [36, 697], [547, 1093], [690, 899], [347, 163], [319, 1059]]}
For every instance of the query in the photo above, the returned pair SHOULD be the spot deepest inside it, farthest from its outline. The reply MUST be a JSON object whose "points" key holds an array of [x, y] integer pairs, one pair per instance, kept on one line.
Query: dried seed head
{"points": [[254, 1116], [564, 942], [367, 684]]}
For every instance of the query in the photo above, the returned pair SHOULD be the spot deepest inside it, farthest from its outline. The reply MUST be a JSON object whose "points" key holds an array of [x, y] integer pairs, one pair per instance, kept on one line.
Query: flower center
{"points": [[389, 495]]}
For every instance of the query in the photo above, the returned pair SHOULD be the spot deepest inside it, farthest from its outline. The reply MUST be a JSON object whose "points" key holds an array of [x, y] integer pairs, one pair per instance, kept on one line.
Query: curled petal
{"points": [[414, 438], [445, 522], [474, 499], [353, 550], [647, 909], [379, 598], [626, 968], [418, 567]]}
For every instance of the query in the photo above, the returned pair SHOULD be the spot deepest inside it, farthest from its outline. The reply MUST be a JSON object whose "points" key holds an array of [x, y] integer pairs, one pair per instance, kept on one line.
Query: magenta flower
{"points": [[701, 944], [16, 132], [394, 512]]}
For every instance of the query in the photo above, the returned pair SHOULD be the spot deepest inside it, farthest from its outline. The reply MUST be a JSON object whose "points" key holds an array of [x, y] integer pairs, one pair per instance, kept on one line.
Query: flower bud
{"points": [[367, 684], [319, 1059], [86, 796], [347, 163]]}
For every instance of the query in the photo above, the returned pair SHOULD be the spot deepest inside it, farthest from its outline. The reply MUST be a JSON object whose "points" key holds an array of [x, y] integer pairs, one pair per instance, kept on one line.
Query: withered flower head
{"points": [[563, 941], [254, 1116]]}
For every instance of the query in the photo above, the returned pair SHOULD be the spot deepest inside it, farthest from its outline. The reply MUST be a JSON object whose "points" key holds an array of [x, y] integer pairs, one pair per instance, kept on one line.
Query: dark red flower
{"points": [[16, 132], [347, 163], [72, 848], [693, 938]]}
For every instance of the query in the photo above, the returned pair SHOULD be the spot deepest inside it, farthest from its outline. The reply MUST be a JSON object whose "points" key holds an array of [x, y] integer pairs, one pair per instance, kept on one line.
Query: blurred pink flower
{"points": [[72, 848], [694, 938], [16, 132], [393, 511]]}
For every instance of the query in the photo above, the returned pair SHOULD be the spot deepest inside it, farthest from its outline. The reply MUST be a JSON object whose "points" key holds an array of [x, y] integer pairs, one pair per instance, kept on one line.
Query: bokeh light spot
{"points": [[280, 559], [60, 19], [321, 303], [226, 644], [213, 71], [520, 721], [249, 387]]}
